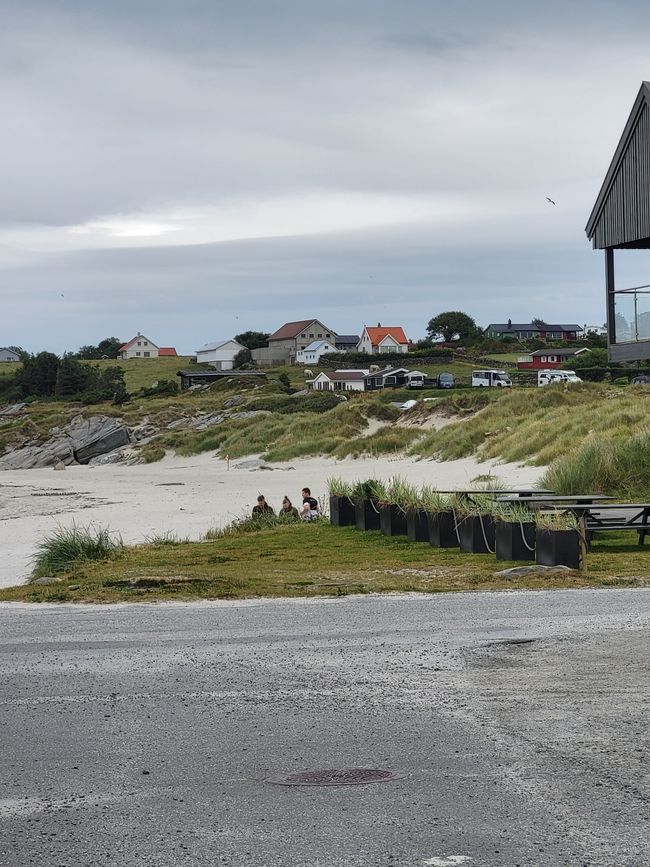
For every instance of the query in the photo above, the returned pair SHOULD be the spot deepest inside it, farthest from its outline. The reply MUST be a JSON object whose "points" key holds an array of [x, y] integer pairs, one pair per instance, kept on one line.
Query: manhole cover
{"points": [[335, 777]]}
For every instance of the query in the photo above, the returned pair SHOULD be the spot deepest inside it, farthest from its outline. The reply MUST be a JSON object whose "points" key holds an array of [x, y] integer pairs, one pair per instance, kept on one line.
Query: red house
{"points": [[548, 359]]}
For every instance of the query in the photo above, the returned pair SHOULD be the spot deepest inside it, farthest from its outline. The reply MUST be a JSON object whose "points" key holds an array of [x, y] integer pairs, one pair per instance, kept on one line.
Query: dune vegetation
{"points": [[593, 436]]}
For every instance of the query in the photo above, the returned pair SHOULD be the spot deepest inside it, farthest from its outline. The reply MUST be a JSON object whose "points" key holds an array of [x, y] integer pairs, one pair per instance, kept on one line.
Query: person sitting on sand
{"points": [[288, 510], [309, 506], [262, 508]]}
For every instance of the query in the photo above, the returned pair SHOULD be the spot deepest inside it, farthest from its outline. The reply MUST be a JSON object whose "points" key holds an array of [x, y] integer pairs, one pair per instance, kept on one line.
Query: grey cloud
{"points": [[129, 107]]}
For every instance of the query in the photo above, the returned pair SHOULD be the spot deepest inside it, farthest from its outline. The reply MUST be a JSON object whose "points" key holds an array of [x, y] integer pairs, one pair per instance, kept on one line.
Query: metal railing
{"points": [[632, 314]]}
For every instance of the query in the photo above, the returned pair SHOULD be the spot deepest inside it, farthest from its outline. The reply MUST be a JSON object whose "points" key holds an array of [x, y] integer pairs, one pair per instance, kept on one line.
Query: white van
{"points": [[494, 378], [546, 377]]}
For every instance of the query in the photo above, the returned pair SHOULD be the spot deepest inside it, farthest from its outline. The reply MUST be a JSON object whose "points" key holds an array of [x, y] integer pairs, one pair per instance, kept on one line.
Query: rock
{"points": [[516, 571], [59, 466], [48, 579], [236, 400], [81, 440], [127, 456], [13, 409], [96, 436]]}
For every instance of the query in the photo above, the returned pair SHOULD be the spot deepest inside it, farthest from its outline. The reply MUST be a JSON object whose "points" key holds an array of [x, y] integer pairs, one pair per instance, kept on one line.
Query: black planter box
{"points": [[366, 515], [477, 535], [417, 525], [392, 520], [342, 512], [515, 541], [442, 530], [558, 548]]}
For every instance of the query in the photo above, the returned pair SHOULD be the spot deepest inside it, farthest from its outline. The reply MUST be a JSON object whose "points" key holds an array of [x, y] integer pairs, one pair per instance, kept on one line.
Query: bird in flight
{"points": [[550, 200]]}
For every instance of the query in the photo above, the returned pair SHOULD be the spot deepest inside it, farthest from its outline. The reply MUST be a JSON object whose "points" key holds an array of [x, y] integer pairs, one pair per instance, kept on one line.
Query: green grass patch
{"points": [[68, 547], [313, 560]]}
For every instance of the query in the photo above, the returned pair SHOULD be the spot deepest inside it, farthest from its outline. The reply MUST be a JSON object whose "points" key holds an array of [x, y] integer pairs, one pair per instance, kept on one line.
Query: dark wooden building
{"points": [[201, 376], [620, 220]]}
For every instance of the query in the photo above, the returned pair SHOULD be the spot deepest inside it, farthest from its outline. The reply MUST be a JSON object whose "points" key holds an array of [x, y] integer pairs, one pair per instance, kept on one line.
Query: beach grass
{"points": [[309, 560]]}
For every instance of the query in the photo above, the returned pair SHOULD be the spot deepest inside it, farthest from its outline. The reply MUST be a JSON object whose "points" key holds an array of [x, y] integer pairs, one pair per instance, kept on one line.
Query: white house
{"points": [[340, 380], [8, 354], [380, 339], [311, 354], [220, 353], [141, 347]]}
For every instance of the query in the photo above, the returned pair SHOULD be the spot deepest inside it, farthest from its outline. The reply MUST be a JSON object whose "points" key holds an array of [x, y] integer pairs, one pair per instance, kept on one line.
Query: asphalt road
{"points": [[147, 735]]}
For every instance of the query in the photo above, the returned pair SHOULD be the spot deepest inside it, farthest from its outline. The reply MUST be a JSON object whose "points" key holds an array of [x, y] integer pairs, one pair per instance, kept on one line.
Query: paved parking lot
{"points": [[154, 736]]}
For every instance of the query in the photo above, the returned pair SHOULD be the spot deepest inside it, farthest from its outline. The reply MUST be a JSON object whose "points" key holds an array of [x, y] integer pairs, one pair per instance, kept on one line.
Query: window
{"points": [[145, 343], [147, 354], [320, 335], [552, 358], [137, 353], [139, 343], [312, 336], [328, 335]]}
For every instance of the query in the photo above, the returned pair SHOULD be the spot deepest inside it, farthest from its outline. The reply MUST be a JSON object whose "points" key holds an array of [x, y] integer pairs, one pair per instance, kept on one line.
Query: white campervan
{"points": [[546, 377], [494, 378]]}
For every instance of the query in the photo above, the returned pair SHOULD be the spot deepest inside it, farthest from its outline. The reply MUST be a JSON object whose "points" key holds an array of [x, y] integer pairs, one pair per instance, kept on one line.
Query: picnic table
{"points": [[619, 516], [516, 492], [597, 514], [560, 499]]}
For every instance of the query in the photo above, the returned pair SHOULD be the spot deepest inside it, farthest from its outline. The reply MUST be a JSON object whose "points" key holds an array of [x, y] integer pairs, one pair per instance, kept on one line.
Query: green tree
{"points": [[74, 378], [452, 325], [106, 348], [242, 359], [592, 366], [109, 347], [88, 353], [37, 377], [253, 339]]}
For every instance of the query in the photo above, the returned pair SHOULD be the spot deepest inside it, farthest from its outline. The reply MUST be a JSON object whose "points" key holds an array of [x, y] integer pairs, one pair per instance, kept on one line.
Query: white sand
{"points": [[187, 496]]}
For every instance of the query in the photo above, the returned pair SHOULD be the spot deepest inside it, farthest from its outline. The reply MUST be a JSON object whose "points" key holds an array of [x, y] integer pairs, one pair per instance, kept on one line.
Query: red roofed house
{"points": [[293, 337], [389, 338], [141, 347]]}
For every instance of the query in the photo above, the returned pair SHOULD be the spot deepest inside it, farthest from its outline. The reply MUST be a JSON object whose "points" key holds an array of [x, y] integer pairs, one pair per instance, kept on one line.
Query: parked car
{"points": [[546, 377], [641, 379], [445, 380]]}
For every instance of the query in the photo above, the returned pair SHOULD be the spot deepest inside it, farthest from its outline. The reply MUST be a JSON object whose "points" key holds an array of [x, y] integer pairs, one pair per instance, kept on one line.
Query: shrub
{"points": [[152, 452], [618, 466], [67, 547], [162, 387]]}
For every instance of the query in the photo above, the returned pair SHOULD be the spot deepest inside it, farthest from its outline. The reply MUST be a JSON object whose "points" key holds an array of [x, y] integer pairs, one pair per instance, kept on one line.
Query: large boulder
{"points": [[81, 440]]}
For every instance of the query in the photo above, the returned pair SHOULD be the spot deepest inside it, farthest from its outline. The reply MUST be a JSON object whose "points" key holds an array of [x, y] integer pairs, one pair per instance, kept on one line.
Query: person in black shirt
{"points": [[262, 508], [309, 506]]}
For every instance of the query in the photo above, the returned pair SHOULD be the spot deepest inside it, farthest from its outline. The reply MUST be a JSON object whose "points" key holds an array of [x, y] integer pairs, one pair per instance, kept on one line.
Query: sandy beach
{"points": [[187, 496]]}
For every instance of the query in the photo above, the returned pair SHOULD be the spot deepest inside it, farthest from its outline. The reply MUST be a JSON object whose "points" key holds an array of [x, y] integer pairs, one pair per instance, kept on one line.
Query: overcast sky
{"points": [[194, 169]]}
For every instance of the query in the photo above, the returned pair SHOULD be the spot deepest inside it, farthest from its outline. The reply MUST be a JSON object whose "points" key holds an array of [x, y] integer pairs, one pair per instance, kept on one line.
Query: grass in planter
{"points": [[370, 489], [512, 513], [314, 560], [556, 520], [68, 547], [336, 487]]}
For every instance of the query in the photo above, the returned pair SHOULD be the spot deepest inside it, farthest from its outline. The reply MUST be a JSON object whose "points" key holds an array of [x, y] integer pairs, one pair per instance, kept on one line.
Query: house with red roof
{"points": [[379, 339], [141, 347], [290, 339]]}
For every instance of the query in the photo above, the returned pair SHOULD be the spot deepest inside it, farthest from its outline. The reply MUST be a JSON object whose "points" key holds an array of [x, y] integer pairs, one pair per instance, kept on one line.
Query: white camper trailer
{"points": [[493, 378], [546, 377]]}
